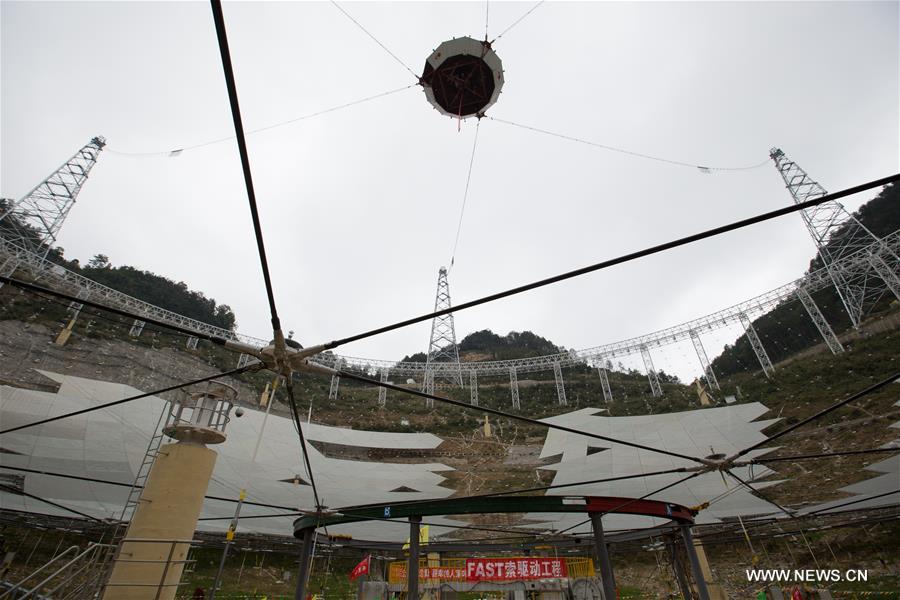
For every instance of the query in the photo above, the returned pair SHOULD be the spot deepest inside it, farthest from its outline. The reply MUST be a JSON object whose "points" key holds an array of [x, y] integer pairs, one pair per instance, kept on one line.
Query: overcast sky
{"points": [[360, 206]]}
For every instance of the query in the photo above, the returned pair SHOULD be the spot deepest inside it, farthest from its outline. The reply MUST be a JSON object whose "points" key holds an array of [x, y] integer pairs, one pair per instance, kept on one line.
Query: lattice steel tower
{"points": [[838, 235], [33, 222], [442, 346]]}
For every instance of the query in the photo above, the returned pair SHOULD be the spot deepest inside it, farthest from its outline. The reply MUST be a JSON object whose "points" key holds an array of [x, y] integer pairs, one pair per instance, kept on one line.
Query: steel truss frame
{"points": [[36, 218], [596, 355], [61, 279], [443, 354], [837, 234]]}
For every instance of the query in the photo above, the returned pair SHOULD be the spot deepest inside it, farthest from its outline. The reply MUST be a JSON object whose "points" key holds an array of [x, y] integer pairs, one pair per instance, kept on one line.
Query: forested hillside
{"points": [[487, 345], [158, 290]]}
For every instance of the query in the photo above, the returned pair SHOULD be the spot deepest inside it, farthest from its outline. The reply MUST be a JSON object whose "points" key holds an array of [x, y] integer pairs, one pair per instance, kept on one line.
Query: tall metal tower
{"points": [[837, 235], [33, 222], [442, 346]]}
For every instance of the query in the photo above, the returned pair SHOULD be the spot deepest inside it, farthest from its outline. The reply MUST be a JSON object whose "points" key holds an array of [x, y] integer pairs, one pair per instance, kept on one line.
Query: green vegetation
{"points": [[487, 345], [270, 575], [158, 290]]}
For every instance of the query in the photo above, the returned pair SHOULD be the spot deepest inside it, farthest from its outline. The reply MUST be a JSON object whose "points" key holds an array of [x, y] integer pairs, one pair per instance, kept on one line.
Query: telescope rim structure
{"points": [[68, 281]]}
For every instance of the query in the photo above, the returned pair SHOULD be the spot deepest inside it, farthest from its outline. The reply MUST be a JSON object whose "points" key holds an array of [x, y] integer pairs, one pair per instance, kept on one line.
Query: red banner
{"points": [[361, 569], [505, 569]]}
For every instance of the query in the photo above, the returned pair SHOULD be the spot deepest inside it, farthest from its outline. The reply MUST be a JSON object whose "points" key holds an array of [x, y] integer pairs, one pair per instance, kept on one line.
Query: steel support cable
{"points": [[678, 163], [500, 413], [250, 132], [825, 511], [709, 539], [623, 258], [824, 455], [763, 521], [129, 485], [374, 39], [760, 494], [756, 524], [722, 495], [130, 399], [11, 490], [788, 513], [516, 22], [222, 36], [289, 384], [714, 529], [822, 512], [719, 539], [231, 84], [462, 210], [872, 388]]}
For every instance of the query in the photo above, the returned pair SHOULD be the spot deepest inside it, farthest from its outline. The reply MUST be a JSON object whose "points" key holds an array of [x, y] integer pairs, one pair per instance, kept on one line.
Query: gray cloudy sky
{"points": [[359, 207]]}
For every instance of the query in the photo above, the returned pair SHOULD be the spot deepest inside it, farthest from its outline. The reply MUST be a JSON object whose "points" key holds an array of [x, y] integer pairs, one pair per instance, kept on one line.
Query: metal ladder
{"points": [[137, 487], [134, 495]]}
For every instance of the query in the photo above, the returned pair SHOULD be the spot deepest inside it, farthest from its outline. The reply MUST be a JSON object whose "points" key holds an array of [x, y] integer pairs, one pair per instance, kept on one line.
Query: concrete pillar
{"points": [[412, 567], [606, 571], [699, 580], [716, 591], [168, 511], [309, 535], [66, 333]]}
